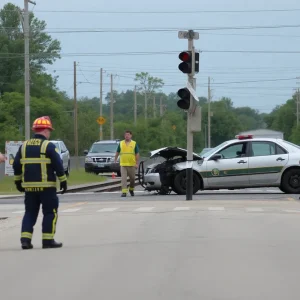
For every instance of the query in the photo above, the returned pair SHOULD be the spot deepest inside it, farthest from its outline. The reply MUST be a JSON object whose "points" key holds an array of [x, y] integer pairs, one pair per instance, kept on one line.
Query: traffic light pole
{"points": [[189, 169]]}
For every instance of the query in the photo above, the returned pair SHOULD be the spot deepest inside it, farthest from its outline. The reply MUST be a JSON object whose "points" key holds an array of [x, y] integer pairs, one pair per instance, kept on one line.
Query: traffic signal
{"points": [[185, 99], [187, 61]]}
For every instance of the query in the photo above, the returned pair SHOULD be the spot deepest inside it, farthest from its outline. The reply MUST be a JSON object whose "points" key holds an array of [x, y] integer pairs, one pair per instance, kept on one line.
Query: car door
{"points": [[232, 169], [65, 156], [266, 161]]}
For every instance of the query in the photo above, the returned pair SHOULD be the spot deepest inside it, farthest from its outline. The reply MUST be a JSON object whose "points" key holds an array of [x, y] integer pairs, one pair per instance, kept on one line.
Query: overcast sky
{"points": [[274, 75]]}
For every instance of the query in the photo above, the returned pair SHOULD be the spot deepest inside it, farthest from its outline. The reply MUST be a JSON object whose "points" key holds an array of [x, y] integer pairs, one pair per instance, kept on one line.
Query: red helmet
{"points": [[42, 123]]}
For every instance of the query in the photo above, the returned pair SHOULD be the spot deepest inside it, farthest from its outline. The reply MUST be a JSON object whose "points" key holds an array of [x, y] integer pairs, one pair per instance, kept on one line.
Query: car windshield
{"points": [[100, 148], [208, 153], [55, 144], [294, 145]]}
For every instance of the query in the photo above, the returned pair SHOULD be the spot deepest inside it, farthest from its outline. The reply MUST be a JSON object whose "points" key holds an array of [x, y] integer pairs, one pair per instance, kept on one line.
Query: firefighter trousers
{"points": [[33, 200]]}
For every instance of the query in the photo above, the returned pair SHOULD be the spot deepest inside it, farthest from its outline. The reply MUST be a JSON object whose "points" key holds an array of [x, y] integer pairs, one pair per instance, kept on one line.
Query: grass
{"points": [[76, 177]]}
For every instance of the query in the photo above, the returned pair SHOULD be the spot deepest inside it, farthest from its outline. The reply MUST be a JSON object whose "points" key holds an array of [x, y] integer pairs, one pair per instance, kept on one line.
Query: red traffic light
{"points": [[185, 56]]}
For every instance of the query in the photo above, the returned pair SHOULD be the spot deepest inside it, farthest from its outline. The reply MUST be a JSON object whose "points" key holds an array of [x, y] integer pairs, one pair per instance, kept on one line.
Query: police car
{"points": [[64, 154], [244, 162]]}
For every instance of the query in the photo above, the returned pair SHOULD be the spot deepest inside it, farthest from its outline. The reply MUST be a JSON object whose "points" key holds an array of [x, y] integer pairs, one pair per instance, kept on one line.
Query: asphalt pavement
{"points": [[235, 246]]}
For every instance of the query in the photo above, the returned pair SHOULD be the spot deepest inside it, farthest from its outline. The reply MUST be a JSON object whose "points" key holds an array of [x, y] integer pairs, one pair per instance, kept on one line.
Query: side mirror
{"points": [[216, 157], [85, 152]]}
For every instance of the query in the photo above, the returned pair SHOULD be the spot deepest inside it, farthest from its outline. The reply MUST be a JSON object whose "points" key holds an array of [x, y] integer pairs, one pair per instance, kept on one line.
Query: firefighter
{"points": [[36, 165]]}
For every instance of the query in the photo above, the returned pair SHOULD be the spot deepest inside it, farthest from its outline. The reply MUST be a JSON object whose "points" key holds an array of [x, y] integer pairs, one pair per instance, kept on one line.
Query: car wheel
{"points": [[290, 183], [179, 185], [68, 170], [119, 174], [282, 189]]}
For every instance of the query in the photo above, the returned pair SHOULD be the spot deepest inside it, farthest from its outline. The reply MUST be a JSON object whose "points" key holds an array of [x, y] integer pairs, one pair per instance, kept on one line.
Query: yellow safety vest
{"points": [[127, 154]]}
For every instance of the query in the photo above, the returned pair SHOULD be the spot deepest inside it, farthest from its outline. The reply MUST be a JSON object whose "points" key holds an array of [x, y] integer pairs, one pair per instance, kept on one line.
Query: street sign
{"points": [[101, 120], [186, 35], [192, 91], [11, 149]]}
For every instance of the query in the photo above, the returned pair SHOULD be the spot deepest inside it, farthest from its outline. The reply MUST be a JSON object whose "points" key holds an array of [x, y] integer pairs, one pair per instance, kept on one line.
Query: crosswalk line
{"points": [[144, 209], [107, 209], [254, 209], [69, 210], [181, 208], [216, 208], [18, 212], [292, 210]]}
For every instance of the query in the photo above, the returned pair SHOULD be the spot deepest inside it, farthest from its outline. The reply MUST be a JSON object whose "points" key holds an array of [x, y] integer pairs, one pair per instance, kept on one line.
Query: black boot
{"points": [[51, 244], [131, 193], [26, 245]]}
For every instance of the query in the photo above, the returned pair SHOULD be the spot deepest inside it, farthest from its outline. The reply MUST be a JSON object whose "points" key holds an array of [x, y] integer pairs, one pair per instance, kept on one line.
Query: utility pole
{"points": [[205, 133], [190, 140], [101, 85], [209, 114], [146, 106], [297, 102], [111, 108], [188, 102], [154, 107], [135, 106], [161, 106], [75, 117], [26, 65]]}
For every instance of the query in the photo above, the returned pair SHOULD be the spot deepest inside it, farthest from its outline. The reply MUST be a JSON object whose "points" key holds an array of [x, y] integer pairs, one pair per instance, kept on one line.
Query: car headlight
{"points": [[88, 160]]}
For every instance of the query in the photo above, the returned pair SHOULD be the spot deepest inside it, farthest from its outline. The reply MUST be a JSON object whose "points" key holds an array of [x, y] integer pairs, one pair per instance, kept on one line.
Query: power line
{"points": [[171, 29], [169, 11], [39, 55], [248, 81], [143, 30]]}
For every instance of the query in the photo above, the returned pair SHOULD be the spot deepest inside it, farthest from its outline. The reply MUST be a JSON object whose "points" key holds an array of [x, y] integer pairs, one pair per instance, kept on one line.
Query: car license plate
{"points": [[100, 165]]}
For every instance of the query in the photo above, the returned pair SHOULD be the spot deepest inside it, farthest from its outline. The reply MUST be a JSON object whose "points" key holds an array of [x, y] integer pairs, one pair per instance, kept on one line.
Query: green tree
{"points": [[148, 86], [43, 49]]}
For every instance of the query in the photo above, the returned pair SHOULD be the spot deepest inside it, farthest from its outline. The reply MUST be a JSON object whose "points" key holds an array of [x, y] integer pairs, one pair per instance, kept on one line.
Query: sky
{"points": [[254, 67]]}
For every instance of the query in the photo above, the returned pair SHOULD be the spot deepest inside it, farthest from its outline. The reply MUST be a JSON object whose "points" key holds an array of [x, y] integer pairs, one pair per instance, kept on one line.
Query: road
{"points": [[218, 246]]}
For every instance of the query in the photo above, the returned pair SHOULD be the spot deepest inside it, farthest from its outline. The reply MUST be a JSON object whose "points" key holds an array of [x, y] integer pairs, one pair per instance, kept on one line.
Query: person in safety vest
{"points": [[36, 167], [129, 157]]}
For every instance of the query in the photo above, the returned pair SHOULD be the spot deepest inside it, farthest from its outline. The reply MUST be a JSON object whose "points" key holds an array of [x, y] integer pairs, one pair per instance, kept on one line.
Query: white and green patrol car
{"points": [[244, 162]]}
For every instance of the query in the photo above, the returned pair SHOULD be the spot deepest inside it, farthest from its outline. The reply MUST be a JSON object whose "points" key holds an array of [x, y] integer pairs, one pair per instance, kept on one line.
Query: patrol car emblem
{"points": [[215, 172]]}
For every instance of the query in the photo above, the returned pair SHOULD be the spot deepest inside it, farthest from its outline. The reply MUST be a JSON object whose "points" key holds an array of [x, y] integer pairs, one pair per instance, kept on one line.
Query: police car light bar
{"points": [[244, 137]]}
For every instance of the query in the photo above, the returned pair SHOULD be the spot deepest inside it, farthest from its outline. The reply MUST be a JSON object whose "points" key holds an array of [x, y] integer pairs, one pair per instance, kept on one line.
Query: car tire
{"points": [[282, 189], [179, 185], [68, 170], [290, 183], [119, 174]]}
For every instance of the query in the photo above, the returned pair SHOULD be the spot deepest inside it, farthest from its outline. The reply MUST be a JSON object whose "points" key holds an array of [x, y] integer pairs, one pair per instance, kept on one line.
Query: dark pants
{"points": [[33, 200]]}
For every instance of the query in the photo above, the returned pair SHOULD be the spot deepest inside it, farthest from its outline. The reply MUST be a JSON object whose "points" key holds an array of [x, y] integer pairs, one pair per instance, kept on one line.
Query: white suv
{"points": [[64, 154]]}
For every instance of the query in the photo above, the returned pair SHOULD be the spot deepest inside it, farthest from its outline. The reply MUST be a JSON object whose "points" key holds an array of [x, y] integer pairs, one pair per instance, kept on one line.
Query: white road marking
{"points": [[79, 193], [108, 209], [181, 208], [120, 192], [70, 210], [254, 209], [215, 208], [19, 212], [292, 211], [144, 208]]}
